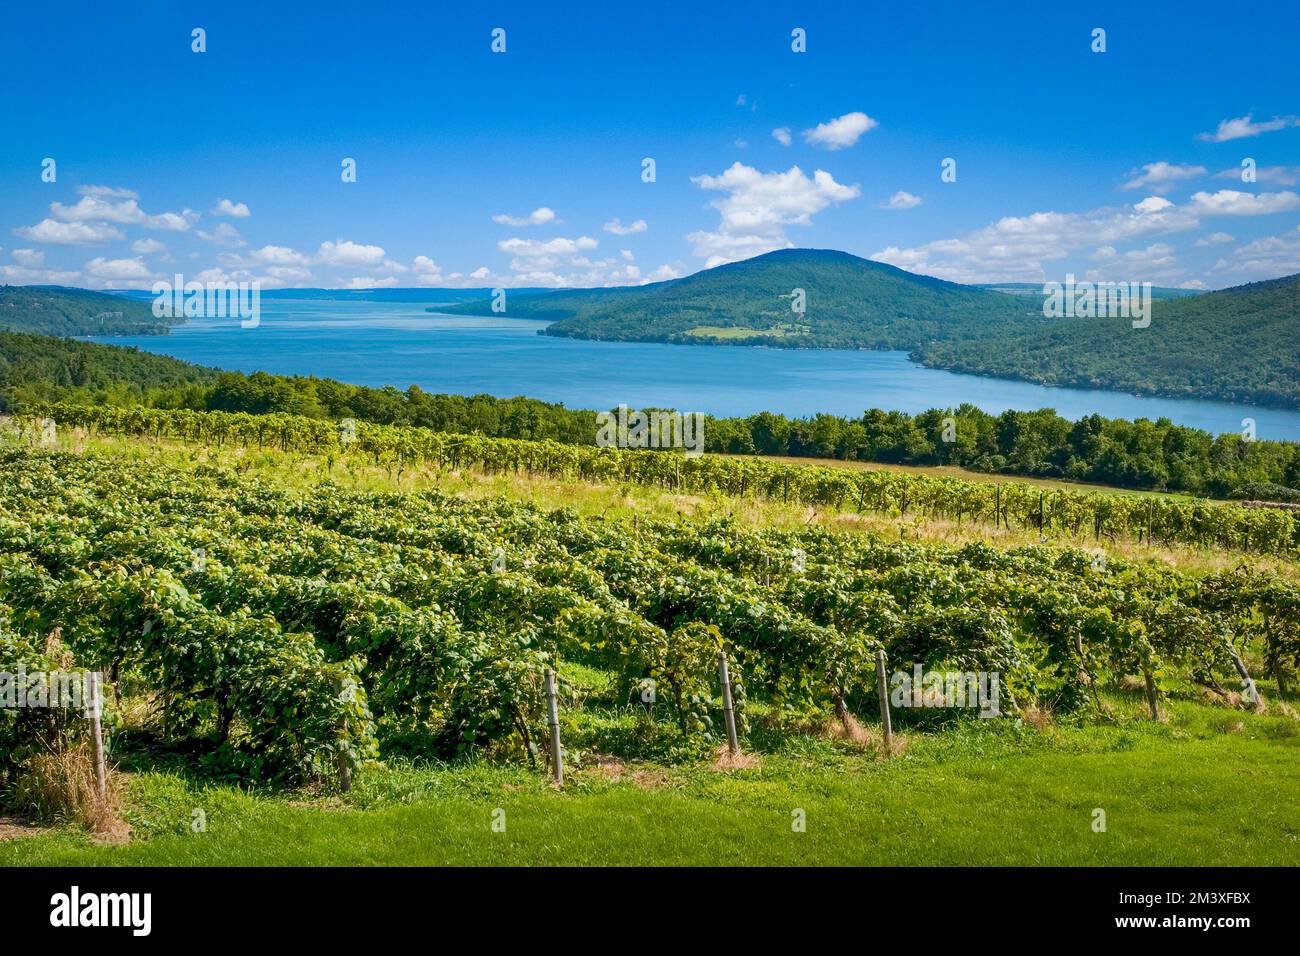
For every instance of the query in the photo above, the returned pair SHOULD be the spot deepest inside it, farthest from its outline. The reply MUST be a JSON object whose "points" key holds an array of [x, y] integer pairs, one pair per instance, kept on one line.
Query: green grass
{"points": [[1211, 786]]}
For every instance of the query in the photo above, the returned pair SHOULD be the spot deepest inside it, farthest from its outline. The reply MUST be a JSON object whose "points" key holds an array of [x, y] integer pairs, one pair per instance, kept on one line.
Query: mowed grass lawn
{"points": [[1211, 786]]}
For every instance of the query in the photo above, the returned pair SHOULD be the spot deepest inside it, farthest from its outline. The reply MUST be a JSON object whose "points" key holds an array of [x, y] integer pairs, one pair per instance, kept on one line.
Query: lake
{"points": [[387, 343]]}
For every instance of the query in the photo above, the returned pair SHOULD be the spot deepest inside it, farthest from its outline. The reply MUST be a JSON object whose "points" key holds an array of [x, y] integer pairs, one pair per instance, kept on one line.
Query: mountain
{"points": [[850, 303], [1238, 344], [57, 310]]}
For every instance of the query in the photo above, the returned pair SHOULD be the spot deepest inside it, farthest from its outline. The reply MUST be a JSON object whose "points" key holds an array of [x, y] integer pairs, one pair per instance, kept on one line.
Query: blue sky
{"points": [[525, 167]]}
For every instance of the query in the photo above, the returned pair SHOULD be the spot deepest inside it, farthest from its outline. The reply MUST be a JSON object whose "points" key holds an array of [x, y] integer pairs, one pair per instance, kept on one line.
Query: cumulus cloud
{"points": [[148, 246], [1266, 258], [1244, 126], [1161, 177], [539, 254], [538, 217], [901, 200], [1231, 202], [1270, 175], [618, 229], [104, 208], [757, 207], [107, 192], [69, 233], [29, 258], [782, 135], [841, 132], [116, 272], [1016, 248], [347, 253], [1214, 239], [223, 234], [227, 207]]}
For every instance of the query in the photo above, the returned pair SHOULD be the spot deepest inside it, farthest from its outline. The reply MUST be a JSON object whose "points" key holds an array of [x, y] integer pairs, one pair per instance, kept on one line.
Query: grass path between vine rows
{"points": [[1210, 786]]}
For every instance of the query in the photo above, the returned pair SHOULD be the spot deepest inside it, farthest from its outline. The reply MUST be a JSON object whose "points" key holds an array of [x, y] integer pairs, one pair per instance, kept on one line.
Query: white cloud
{"points": [[782, 135], [348, 253], [1271, 175], [277, 256], [841, 132], [1245, 126], [1266, 258], [538, 217], [535, 254], [1016, 248], [23, 275], [69, 233], [223, 234], [901, 200], [758, 206], [662, 274], [101, 208], [1231, 202], [227, 207], [618, 229], [112, 271], [29, 258], [107, 192], [1214, 239], [369, 282], [1160, 177]]}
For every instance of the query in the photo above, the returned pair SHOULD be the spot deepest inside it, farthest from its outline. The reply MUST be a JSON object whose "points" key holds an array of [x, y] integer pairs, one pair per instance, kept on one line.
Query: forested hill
{"points": [[1240, 344], [1235, 345], [849, 303], [58, 310]]}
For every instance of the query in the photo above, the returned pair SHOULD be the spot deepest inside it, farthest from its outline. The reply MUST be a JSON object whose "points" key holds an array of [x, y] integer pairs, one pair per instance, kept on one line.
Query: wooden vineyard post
{"points": [[1152, 699], [97, 732], [345, 770], [553, 718], [997, 506], [1252, 693], [728, 709], [882, 691]]}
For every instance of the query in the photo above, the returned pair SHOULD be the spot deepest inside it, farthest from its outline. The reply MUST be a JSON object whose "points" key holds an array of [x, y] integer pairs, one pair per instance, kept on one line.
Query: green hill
{"points": [[1239, 344], [57, 310], [1235, 345], [850, 303]]}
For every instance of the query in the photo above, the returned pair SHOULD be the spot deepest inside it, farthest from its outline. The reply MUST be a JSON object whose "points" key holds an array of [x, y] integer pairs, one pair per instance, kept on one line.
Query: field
{"points": [[234, 592]]}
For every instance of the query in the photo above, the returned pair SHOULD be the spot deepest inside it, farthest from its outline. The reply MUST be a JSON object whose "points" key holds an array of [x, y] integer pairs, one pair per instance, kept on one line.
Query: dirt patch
{"points": [[616, 771], [13, 828]]}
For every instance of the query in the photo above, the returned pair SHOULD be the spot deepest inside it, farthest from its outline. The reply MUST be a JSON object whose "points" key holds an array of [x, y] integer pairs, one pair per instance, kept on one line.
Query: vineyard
{"points": [[289, 635], [1080, 515]]}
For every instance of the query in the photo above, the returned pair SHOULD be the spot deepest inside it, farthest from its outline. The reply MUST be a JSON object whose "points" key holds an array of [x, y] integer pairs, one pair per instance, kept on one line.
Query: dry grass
{"points": [[724, 759], [61, 788], [851, 731], [1038, 716]]}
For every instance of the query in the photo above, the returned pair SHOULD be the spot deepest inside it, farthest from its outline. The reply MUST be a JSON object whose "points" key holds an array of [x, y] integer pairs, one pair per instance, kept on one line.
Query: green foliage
{"points": [[56, 310]]}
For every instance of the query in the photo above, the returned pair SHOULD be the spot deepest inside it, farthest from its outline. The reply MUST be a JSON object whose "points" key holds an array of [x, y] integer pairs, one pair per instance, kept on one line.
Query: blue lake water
{"points": [[381, 343]]}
